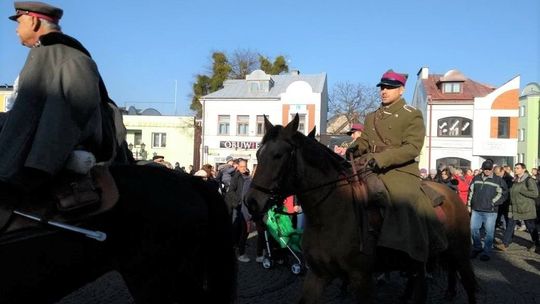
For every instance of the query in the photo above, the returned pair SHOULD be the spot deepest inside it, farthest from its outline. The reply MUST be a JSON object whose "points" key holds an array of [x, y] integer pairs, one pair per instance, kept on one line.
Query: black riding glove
{"points": [[368, 161], [372, 164]]}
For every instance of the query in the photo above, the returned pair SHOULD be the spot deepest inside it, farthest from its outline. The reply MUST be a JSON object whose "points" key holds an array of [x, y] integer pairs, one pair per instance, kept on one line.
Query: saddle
{"points": [[371, 212], [71, 200]]}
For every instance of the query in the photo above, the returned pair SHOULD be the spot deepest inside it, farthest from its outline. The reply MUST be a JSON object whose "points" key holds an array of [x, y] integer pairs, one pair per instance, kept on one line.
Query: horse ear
{"points": [[267, 124], [312, 132], [292, 126]]}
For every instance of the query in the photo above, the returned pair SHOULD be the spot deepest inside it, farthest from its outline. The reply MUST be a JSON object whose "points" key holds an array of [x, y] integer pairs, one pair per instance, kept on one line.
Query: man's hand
{"points": [[368, 161], [372, 163], [340, 150]]}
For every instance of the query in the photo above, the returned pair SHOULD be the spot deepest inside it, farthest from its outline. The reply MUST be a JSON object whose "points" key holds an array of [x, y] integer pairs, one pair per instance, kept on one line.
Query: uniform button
{"points": [[389, 127]]}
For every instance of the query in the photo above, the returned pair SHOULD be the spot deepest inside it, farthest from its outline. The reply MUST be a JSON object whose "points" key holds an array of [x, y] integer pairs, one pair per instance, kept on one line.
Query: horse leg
{"points": [[451, 288], [468, 280], [362, 284], [313, 288], [416, 290]]}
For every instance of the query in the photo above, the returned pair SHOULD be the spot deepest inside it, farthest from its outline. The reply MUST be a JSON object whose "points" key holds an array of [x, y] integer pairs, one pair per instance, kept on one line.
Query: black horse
{"points": [[169, 236], [292, 163]]}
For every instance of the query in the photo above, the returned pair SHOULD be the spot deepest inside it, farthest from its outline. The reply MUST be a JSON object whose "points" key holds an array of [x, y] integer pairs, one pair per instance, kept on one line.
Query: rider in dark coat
{"points": [[60, 105], [391, 143]]}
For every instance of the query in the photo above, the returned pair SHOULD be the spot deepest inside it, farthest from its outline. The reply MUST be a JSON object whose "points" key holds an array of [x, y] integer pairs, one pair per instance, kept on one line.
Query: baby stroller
{"points": [[279, 226]]}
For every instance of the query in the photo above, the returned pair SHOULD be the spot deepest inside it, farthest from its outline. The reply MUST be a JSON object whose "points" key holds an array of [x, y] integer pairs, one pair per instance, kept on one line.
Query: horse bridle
{"points": [[277, 195]]}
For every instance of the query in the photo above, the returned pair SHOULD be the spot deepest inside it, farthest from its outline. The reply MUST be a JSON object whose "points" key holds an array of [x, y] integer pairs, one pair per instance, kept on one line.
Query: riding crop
{"points": [[96, 235]]}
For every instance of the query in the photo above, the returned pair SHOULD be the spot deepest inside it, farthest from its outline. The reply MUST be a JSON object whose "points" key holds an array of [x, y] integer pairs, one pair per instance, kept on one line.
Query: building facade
{"points": [[233, 117], [169, 136], [529, 125], [466, 122], [5, 96]]}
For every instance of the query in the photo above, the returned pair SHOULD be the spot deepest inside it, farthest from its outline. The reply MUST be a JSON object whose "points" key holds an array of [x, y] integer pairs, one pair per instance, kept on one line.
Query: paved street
{"points": [[509, 277]]}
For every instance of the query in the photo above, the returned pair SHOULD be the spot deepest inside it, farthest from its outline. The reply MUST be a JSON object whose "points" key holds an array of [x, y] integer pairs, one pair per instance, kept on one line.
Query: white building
{"points": [[466, 121], [169, 136], [233, 121]]}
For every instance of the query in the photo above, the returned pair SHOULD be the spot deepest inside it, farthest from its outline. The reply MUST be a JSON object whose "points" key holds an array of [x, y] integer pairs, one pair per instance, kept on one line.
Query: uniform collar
{"points": [[393, 107]]}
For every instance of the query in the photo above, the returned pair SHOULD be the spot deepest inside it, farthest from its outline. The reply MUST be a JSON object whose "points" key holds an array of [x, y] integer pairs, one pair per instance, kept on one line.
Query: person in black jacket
{"points": [[502, 214], [234, 198], [486, 192]]}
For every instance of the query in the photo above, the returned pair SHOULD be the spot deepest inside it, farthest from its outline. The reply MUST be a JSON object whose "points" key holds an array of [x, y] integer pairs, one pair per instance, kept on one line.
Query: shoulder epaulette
{"points": [[409, 108]]}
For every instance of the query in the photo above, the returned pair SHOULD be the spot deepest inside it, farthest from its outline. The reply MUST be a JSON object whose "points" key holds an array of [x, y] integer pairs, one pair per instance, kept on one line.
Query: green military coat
{"points": [[399, 130], [395, 135]]}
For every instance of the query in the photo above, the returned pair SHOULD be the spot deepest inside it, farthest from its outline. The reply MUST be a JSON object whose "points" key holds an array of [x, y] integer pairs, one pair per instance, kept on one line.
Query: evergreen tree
{"points": [[244, 62]]}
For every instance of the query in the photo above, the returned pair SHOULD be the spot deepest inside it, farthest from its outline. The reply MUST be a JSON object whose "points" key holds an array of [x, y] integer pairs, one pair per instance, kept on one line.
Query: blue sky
{"points": [[143, 47]]}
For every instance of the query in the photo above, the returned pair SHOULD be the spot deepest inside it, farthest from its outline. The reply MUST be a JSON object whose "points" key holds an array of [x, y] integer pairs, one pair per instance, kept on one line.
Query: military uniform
{"points": [[394, 136]]}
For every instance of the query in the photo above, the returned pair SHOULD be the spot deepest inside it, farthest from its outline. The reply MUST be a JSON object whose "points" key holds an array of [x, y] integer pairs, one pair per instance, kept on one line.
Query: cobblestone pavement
{"points": [[509, 277]]}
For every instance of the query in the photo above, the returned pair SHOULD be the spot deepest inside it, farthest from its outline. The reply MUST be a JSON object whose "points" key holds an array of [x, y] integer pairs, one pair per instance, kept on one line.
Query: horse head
{"points": [[284, 159]]}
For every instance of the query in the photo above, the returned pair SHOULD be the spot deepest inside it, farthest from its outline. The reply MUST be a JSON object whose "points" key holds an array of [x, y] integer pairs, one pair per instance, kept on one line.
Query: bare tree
{"points": [[354, 101], [242, 63]]}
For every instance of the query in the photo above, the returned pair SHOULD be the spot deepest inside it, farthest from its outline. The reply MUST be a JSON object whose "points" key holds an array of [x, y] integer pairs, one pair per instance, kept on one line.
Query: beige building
{"points": [[5, 94], [169, 136]]}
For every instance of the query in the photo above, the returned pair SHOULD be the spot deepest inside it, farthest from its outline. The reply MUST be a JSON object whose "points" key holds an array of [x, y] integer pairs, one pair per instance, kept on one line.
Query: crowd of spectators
{"points": [[498, 197]]}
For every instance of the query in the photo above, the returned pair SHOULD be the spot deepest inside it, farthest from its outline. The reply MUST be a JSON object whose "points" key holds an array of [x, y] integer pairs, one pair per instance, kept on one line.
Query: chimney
{"points": [[423, 73]]}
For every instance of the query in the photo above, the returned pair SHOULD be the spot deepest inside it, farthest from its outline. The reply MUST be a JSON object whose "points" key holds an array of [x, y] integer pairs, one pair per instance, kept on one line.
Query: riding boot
{"points": [[377, 192], [378, 198]]}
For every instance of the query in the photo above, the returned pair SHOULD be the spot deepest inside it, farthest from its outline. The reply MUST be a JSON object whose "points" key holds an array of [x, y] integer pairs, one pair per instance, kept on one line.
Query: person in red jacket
{"points": [[462, 186]]}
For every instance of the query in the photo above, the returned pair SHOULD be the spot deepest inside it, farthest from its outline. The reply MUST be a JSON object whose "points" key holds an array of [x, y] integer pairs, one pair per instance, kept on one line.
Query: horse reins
{"points": [[277, 194]]}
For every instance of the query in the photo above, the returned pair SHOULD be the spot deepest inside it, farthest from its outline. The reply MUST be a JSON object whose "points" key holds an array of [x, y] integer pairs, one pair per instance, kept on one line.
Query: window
{"points": [[301, 122], [159, 140], [242, 125], [457, 162], [134, 137], [137, 138], [451, 87], [503, 127], [223, 124], [454, 127], [522, 111], [260, 125], [521, 134], [253, 87]]}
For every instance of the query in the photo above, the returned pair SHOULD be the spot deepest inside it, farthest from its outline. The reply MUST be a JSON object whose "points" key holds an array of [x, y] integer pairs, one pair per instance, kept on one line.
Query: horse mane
{"points": [[313, 151]]}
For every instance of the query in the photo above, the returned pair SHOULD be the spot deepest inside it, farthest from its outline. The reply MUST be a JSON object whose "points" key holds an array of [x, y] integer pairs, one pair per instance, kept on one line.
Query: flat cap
{"points": [[37, 9]]}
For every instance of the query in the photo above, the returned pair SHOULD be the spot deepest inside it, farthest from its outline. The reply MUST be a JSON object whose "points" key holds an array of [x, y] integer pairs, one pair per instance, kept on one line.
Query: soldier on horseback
{"points": [[60, 106], [389, 146]]}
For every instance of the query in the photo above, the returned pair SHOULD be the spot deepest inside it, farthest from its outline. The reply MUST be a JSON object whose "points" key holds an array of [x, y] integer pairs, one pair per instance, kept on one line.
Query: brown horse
{"points": [[333, 242]]}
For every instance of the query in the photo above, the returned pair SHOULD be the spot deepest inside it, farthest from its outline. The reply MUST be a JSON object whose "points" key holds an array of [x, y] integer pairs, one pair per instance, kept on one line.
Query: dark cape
{"points": [[60, 106]]}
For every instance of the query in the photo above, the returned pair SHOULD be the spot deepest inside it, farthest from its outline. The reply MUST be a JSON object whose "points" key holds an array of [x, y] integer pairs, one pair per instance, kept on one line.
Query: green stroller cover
{"points": [[281, 228]]}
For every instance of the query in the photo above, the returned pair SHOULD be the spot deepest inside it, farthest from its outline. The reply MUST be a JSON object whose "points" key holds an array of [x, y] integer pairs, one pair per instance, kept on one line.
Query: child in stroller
{"points": [[280, 226]]}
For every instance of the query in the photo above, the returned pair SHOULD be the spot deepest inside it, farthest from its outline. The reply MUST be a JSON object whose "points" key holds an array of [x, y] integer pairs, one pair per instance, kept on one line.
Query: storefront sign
{"points": [[228, 144]]}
